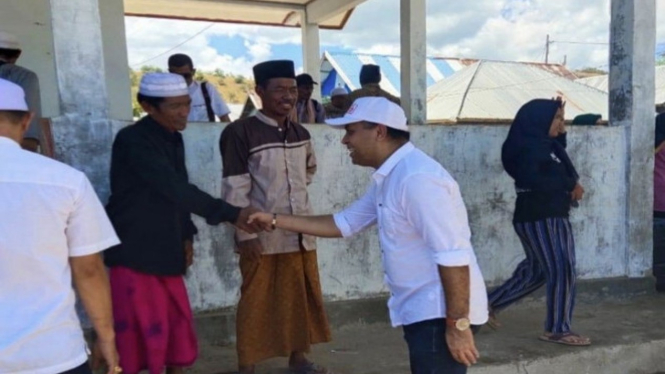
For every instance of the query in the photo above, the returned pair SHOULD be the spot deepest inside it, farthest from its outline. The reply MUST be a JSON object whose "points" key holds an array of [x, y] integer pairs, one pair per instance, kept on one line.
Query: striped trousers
{"points": [[550, 259]]}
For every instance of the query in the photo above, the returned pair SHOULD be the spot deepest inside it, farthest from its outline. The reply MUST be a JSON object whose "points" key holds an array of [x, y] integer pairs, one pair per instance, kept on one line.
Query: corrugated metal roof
{"points": [[492, 91], [255, 12], [602, 82], [345, 68]]}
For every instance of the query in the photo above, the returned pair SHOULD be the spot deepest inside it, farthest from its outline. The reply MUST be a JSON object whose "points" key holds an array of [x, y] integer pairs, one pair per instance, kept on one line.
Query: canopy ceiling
{"points": [[330, 14]]}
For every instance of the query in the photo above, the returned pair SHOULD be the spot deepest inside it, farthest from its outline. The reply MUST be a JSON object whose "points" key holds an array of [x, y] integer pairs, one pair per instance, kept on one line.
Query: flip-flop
{"points": [[309, 368], [562, 339]]}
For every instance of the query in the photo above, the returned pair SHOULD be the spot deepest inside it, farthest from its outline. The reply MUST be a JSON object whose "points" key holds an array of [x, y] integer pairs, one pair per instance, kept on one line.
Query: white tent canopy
{"points": [[326, 13]]}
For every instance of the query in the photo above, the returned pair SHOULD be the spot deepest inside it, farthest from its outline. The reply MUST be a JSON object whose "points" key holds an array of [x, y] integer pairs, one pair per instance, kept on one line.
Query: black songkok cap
{"points": [[273, 69], [370, 74]]}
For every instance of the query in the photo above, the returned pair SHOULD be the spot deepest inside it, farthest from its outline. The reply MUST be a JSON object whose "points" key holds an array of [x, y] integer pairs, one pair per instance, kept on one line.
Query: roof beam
{"points": [[259, 4], [319, 11]]}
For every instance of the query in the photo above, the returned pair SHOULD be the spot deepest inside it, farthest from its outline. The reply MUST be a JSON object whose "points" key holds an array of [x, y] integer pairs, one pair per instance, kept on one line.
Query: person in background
{"points": [[52, 231], [150, 207], [268, 162], [335, 108], [659, 205], [588, 119], [206, 101], [437, 289], [370, 77], [307, 110], [10, 51], [547, 185]]}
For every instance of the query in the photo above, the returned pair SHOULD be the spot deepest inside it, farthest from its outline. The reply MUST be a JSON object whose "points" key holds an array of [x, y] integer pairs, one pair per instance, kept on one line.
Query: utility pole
{"points": [[547, 49]]}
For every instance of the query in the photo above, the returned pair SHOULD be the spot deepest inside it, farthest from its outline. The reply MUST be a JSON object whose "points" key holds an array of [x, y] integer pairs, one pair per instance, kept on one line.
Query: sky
{"points": [[513, 30]]}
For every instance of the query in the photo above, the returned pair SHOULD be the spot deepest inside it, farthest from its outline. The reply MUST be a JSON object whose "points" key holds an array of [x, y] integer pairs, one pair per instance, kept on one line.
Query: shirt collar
{"points": [[6, 142], [269, 121], [392, 161]]}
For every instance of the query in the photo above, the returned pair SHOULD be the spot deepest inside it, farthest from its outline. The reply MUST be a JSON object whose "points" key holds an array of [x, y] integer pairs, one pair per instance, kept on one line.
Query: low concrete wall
{"points": [[351, 268]]}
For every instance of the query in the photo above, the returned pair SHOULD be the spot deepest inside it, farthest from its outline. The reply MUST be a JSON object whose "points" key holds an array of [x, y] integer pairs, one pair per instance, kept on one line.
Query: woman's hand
{"points": [[577, 193]]}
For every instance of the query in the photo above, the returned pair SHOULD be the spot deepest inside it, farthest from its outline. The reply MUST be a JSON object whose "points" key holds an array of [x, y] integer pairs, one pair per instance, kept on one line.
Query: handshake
{"points": [[253, 220]]}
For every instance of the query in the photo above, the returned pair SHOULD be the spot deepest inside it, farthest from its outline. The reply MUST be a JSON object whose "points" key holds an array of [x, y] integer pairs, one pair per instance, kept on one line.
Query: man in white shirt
{"points": [[206, 101], [10, 51], [437, 289], [52, 231]]}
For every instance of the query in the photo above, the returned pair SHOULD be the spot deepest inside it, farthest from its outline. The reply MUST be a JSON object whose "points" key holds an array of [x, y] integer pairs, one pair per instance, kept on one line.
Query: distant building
{"points": [[341, 69], [493, 92]]}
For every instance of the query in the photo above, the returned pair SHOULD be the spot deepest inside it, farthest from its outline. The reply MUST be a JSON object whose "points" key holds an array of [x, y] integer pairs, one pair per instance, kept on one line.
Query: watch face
{"points": [[463, 324]]}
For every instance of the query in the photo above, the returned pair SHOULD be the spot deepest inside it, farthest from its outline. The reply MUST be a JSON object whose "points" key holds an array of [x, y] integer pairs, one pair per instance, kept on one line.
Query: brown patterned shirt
{"points": [[269, 168]]}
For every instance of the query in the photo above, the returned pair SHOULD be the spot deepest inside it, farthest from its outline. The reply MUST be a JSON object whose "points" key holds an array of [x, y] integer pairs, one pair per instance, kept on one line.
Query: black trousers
{"points": [[428, 350], [83, 369], [659, 252]]}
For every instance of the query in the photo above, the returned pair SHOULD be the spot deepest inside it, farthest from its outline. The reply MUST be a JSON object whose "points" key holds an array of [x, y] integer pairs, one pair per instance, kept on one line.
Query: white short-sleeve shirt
{"points": [[50, 213], [422, 224], [198, 112]]}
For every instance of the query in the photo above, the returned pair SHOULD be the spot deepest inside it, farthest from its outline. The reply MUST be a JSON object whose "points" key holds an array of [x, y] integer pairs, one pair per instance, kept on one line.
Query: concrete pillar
{"points": [[632, 70], [311, 46], [414, 60], [116, 63], [83, 132]]}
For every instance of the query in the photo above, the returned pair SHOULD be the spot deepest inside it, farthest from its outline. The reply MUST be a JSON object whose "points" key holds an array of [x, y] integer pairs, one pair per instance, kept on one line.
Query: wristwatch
{"points": [[461, 324]]}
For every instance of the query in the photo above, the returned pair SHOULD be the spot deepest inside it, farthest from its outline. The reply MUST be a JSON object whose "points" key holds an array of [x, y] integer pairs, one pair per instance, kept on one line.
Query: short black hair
{"points": [[10, 53], [151, 100], [179, 60], [13, 116], [392, 133]]}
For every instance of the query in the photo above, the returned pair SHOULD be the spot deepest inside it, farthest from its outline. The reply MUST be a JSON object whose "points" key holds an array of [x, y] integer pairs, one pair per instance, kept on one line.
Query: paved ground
{"points": [[628, 338]]}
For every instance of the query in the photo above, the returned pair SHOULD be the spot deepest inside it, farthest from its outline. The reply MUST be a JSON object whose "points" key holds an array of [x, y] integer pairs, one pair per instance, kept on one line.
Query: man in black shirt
{"points": [[150, 207]]}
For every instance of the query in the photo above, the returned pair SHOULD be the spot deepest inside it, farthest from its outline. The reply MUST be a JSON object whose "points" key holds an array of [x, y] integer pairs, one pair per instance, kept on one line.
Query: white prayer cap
{"points": [[12, 96], [163, 85], [373, 109], [339, 91], [9, 41]]}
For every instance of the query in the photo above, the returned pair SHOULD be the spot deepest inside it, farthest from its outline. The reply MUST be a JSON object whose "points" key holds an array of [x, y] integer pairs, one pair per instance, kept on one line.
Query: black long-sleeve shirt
{"points": [[543, 184], [151, 200]]}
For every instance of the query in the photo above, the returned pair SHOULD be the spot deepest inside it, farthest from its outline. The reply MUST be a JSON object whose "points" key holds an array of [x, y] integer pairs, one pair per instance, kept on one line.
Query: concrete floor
{"points": [[628, 338]]}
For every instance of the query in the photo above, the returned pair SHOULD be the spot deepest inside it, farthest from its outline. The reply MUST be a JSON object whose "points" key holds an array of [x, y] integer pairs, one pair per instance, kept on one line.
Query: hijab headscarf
{"points": [[660, 129], [530, 129]]}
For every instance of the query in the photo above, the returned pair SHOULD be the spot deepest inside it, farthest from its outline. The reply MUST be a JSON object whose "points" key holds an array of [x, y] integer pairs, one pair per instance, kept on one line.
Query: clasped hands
{"points": [[253, 220]]}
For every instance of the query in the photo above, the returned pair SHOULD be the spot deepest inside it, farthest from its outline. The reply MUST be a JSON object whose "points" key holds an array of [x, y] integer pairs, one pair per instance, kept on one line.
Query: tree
{"points": [[239, 79], [592, 71], [219, 73], [151, 69]]}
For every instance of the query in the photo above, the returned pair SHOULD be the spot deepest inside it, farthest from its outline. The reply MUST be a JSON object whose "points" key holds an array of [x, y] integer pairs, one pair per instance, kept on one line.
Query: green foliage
{"points": [[199, 76], [239, 79], [219, 73], [151, 69], [590, 70]]}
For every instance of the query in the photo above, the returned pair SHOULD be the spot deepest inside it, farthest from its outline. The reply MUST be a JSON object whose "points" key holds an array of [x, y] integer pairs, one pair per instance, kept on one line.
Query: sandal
{"points": [[566, 338], [309, 368]]}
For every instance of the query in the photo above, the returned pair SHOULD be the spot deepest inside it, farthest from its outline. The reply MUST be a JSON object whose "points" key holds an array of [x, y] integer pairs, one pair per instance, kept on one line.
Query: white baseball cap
{"points": [[9, 41], [12, 96], [373, 109]]}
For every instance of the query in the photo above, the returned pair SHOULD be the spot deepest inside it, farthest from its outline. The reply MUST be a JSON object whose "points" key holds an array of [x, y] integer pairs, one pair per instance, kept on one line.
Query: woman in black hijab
{"points": [[546, 182]]}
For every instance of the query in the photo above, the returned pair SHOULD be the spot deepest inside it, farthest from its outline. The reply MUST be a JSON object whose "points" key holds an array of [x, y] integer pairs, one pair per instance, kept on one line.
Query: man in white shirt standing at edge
{"points": [[52, 231], [206, 101], [437, 290]]}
